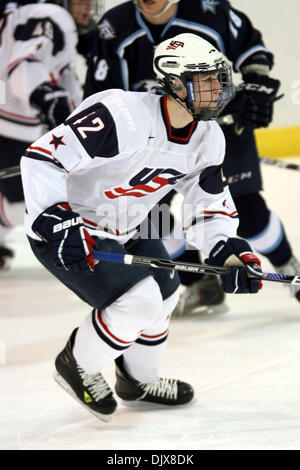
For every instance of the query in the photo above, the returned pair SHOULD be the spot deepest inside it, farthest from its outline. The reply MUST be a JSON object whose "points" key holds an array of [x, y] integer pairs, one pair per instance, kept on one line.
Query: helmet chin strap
{"points": [[170, 2], [183, 102]]}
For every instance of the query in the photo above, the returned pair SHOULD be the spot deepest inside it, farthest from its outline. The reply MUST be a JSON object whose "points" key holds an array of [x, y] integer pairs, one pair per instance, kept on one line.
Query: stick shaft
{"points": [[280, 163], [10, 172], [161, 263], [228, 119]]}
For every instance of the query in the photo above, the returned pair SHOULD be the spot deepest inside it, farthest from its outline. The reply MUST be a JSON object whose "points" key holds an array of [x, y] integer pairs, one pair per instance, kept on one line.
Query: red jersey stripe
{"points": [[109, 332], [155, 336]]}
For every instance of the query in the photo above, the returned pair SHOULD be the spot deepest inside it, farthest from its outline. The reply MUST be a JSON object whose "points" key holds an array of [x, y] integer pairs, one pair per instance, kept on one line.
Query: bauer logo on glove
{"points": [[67, 224], [69, 241]]}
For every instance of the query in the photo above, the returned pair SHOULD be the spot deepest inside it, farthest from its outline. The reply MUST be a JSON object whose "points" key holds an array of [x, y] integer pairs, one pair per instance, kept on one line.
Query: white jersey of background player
{"points": [[104, 168], [39, 87], [38, 45]]}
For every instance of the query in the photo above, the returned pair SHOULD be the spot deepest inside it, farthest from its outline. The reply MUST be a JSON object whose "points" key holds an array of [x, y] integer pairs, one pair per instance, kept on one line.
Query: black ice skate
{"points": [[205, 296], [161, 391], [292, 267], [6, 256], [90, 390]]}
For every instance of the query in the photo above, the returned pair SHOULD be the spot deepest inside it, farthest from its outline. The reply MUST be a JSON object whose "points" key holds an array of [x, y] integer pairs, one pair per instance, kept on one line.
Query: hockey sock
{"points": [[272, 242], [262, 228], [90, 350], [106, 334], [142, 360]]}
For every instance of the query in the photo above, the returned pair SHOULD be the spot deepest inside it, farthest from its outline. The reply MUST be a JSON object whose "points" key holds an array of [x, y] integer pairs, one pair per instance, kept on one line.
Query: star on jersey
{"points": [[57, 141]]}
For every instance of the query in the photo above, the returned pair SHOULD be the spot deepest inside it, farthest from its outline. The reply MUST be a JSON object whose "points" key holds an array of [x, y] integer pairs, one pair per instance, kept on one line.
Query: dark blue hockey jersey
{"points": [[124, 52]]}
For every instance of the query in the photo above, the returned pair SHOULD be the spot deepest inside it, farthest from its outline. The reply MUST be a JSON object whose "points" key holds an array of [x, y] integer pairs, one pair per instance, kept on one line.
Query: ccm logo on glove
{"points": [[255, 87]]}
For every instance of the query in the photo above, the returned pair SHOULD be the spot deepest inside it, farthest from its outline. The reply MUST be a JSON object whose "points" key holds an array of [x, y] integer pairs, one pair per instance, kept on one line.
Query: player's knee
{"points": [[135, 310], [145, 299]]}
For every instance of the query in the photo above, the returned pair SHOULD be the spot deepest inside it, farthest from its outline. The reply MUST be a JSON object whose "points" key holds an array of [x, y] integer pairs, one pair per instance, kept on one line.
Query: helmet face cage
{"points": [[208, 90]]}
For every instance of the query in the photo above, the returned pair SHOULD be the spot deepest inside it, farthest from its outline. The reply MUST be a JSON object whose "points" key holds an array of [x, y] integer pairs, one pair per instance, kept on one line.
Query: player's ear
{"points": [[178, 86]]}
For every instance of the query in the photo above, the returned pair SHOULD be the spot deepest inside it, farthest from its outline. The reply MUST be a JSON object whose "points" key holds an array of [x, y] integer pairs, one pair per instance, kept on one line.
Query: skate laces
{"points": [[95, 383], [161, 387]]}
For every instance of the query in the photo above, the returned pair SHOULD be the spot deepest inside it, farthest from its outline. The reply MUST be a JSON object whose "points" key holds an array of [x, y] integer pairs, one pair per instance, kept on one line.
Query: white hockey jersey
{"points": [[37, 45], [117, 156]]}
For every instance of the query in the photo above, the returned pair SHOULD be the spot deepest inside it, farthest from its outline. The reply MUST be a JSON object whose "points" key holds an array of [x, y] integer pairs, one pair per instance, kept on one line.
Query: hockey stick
{"points": [[10, 172], [181, 266], [228, 120], [279, 163]]}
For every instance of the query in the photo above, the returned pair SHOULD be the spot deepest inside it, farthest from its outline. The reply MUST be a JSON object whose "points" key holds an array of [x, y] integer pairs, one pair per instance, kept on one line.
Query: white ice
{"points": [[244, 365]]}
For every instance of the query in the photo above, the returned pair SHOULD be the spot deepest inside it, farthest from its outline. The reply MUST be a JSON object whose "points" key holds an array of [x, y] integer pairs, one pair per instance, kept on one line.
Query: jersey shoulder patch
{"points": [[95, 128]]}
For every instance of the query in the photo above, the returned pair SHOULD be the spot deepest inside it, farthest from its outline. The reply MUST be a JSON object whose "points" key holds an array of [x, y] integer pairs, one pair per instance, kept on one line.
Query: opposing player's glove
{"points": [[71, 244], [53, 104], [236, 255], [254, 101]]}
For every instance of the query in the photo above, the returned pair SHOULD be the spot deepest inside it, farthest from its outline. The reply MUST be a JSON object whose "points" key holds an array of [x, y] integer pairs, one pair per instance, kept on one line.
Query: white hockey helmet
{"points": [[188, 57], [168, 4]]}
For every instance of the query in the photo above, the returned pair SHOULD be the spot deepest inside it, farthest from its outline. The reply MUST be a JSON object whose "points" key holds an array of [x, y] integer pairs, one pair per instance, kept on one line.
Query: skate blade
{"points": [[203, 311], [148, 406], [61, 381], [209, 310]]}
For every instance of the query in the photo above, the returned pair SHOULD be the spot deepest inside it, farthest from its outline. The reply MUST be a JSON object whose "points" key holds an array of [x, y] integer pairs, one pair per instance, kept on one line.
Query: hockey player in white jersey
{"points": [[37, 57], [91, 182]]}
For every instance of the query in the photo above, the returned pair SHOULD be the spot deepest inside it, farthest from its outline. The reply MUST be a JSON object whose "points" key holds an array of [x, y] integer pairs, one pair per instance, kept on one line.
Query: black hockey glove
{"points": [[53, 104], [254, 101], [71, 244], [236, 255]]}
